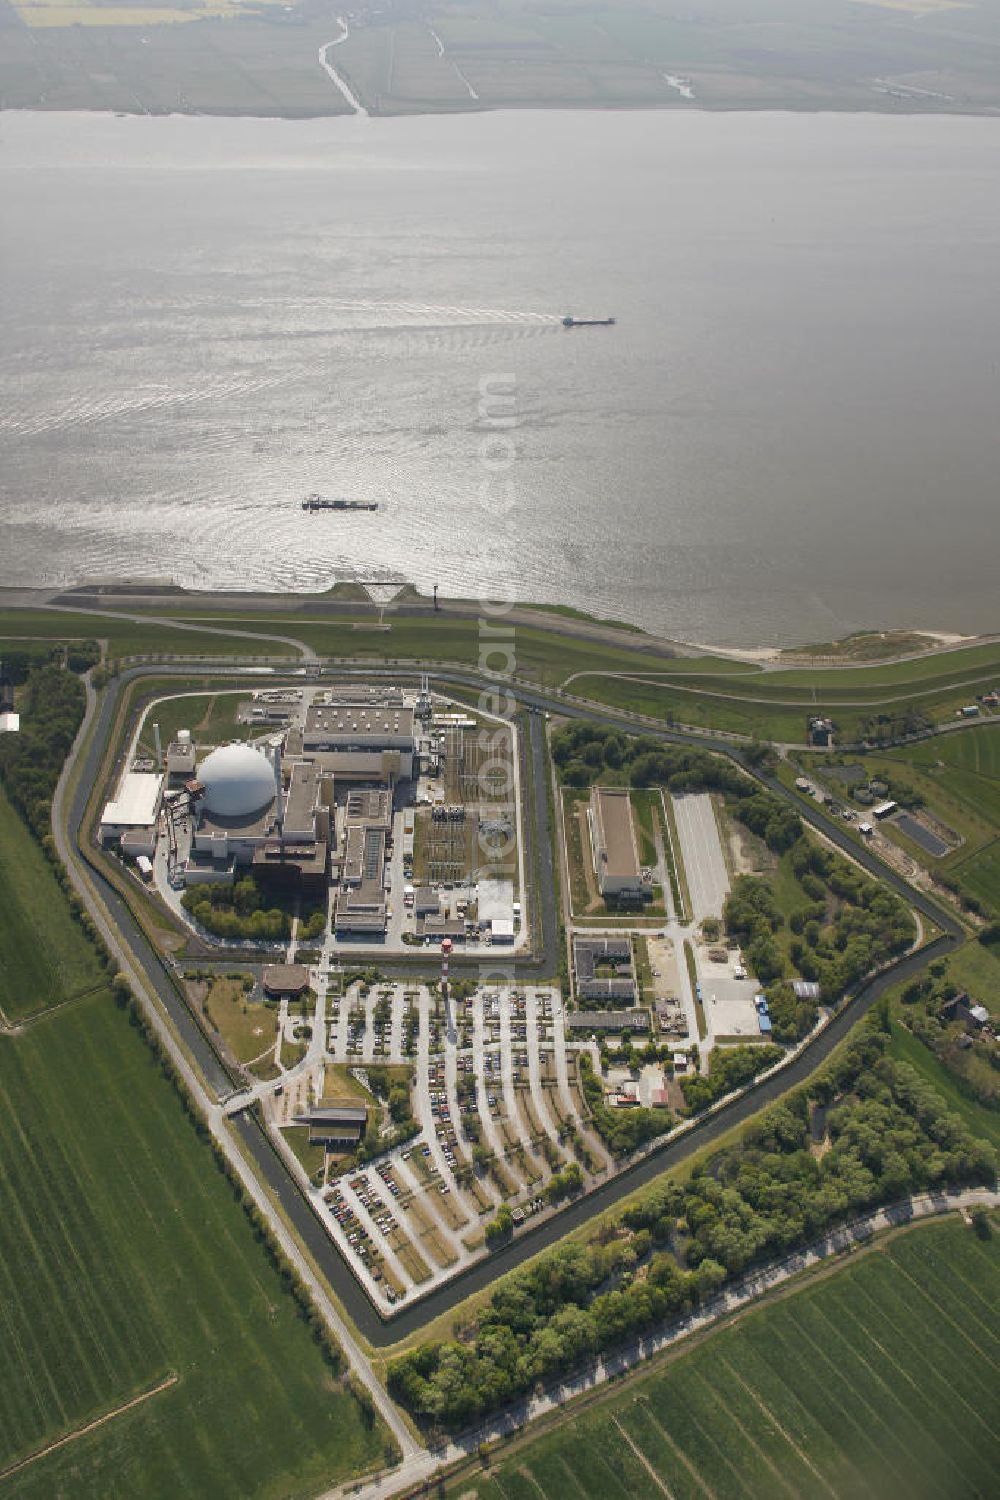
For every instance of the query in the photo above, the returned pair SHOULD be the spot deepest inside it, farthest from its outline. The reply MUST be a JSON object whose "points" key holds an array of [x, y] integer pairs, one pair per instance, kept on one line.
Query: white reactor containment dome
{"points": [[238, 781]]}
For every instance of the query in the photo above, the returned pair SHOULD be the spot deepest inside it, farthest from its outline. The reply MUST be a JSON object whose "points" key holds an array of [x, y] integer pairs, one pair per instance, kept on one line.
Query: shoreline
{"points": [[348, 597], [894, 110]]}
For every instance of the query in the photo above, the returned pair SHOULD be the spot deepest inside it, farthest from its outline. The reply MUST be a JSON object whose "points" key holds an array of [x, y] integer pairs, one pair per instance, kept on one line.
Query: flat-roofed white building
{"points": [[130, 819]]}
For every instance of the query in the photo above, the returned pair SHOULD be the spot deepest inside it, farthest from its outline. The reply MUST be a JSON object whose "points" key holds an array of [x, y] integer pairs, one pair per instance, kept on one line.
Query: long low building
{"points": [[614, 845], [615, 953], [608, 1020], [334, 1124]]}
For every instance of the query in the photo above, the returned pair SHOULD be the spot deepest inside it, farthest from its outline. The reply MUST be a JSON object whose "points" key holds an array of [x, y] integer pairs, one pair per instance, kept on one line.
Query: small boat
{"points": [[316, 502]]}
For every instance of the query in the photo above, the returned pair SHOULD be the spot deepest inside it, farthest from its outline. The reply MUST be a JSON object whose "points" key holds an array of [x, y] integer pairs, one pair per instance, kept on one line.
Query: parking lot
{"points": [[493, 1094], [701, 851]]}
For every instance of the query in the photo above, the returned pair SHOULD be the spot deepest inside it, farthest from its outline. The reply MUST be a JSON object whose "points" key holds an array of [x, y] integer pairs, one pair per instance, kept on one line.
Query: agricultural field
{"points": [[878, 1379], [506, 54], [44, 959], [128, 1269]]}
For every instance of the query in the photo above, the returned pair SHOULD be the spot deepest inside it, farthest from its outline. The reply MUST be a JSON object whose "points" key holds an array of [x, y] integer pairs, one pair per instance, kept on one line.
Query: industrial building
{"points": [[243, 816], [373, 739], [590, 954], [609, 1020], [614, 846], [131, 818]]}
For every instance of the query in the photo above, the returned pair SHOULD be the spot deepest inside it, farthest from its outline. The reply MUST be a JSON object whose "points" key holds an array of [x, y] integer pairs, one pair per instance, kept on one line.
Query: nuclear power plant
{"points": [[308, 804]]}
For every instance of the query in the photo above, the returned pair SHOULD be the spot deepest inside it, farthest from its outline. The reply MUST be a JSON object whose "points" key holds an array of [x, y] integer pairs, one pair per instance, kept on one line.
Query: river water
{"points": [[792, 430]]}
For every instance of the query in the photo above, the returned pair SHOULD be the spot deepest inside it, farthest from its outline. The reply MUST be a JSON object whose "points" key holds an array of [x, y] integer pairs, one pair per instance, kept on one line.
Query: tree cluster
{"points": [[729, 1068], [870, 924], [583, 752], [236, 911], [890, 1134], [51, 709], [621, 1130]]}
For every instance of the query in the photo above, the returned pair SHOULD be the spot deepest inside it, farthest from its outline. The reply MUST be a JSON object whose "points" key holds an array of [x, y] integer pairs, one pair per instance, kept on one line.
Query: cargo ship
{"points": [[316, 502], [569, 322]]}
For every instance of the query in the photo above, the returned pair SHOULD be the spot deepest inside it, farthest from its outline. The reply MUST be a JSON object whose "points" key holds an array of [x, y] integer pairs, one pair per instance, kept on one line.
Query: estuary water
{"points": [[793, 429]]}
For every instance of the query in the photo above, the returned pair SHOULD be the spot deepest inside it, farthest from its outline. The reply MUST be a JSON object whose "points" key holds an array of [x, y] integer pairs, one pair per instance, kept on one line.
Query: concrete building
{"points": [[590, 954], [609, 1020], [285, 979], [614, 845], [360, 913], [335, 1124], [362, 741], [181, 756], [130, 819]]}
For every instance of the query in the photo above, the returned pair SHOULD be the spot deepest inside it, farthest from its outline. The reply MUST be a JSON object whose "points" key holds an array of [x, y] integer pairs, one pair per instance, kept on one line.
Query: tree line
{"points": [[886, 1134]]}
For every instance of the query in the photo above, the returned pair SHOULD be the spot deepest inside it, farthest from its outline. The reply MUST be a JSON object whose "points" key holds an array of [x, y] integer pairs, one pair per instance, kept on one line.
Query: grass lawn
{"points": [[976, 967], [876, 1380], [44, 958], [211, 718], [248, 1027], [959, 776], [312, 1157]]}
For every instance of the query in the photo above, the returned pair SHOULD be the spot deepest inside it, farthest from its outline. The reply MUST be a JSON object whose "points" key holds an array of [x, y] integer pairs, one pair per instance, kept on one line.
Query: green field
{"points": [[125, 1262], [127, 637], [211, 718], [879, 1380], [959, 776], [44, 959]]}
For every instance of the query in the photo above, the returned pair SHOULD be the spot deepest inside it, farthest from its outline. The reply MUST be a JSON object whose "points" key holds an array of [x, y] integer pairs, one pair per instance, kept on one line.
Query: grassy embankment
{"points": [[125, 1261], [712, 692]]}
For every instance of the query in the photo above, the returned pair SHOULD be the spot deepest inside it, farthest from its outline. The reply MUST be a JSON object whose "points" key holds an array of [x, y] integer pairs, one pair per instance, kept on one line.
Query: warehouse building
{"points": [[614, 846], [361, 741]]}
